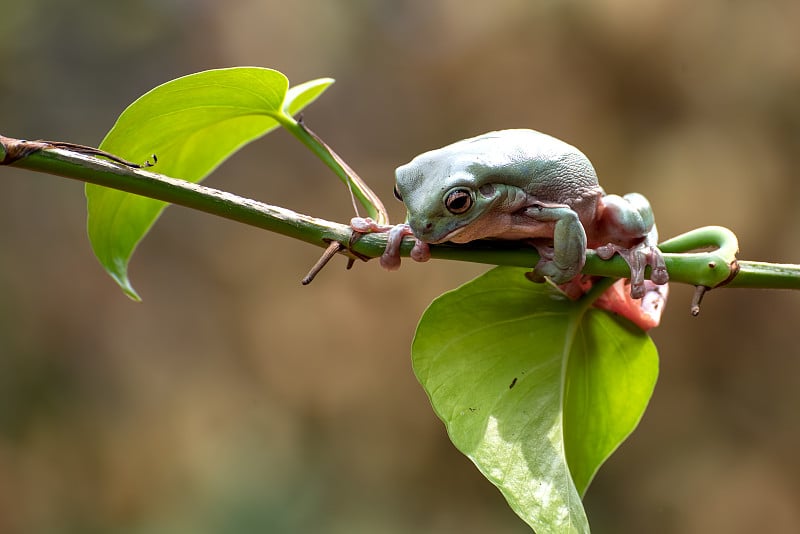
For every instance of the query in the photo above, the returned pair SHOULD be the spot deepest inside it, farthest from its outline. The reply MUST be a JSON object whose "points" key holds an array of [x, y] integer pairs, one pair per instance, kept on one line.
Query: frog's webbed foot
{"points": [[638, 258], [390, 259]]}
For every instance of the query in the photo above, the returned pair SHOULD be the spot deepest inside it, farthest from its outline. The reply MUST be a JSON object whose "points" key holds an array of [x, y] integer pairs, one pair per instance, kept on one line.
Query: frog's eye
{"points": [[397, 194], [458, 201]]}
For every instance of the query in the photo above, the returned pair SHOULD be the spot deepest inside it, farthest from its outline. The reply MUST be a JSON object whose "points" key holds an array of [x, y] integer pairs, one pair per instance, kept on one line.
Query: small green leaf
{"points": [[192, 124], [535, 389], [302, 95]]}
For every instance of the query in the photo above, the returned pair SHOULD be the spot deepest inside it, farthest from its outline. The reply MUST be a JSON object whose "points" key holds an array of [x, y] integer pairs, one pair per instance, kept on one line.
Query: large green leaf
{"points": [[535, 389], [192, 124]]}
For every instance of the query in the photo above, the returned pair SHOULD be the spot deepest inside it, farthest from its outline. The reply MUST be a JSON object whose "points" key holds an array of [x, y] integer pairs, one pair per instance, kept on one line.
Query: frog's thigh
{"points": [[569, 241], [632, 214]]}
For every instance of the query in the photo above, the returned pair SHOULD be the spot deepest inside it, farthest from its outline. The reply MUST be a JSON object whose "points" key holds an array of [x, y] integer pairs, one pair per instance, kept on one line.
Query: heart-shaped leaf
{"points": [[535, 389], [192, 124]]}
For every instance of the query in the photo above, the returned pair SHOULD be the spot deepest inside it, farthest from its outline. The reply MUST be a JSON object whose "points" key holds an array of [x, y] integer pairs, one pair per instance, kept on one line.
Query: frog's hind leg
{"points": [[627, 220]]}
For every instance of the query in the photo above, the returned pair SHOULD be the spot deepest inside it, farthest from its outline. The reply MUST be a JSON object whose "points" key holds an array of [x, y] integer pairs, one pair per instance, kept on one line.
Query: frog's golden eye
{"points": [[397, 194], [458, 201]]}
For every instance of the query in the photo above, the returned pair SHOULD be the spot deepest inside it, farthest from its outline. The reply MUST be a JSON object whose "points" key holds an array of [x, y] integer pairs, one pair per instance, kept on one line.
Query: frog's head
{"points": [[444, 201]]}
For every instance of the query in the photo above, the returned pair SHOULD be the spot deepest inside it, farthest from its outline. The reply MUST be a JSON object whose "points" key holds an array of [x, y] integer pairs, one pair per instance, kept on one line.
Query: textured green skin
{"points": [[525, 184]]}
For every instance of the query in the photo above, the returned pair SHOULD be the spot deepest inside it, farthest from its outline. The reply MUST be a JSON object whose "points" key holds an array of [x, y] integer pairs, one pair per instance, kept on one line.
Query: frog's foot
{"points": [[549, 267], [367, 225], [645, 312], [638, 258], [390, 259]]}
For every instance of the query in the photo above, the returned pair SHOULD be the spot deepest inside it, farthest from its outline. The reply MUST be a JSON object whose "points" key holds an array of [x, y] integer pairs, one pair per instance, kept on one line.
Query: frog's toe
{"points": [[638, 289], [606, 252], [364, 225], [638, 258], [655, 260], [390, 260], [659, 275], [421, 251]]}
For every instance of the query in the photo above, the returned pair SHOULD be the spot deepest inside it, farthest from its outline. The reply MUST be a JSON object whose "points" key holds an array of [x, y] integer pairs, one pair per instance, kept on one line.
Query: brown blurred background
{"points": [[235, 400]]}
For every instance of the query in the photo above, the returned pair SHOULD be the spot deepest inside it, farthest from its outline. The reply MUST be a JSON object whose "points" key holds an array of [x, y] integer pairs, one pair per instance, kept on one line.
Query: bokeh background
{"points": [[235, 400]]}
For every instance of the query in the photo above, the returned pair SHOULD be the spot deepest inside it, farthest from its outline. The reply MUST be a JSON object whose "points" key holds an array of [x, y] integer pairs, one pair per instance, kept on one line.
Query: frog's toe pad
{"points": [[389, 261], [606, 252], [421, 251], [659, 275], [637, 290]]}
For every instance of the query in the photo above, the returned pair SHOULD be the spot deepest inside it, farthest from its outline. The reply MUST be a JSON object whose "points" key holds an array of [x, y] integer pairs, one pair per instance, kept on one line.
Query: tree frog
{"points": [[523, 184]]}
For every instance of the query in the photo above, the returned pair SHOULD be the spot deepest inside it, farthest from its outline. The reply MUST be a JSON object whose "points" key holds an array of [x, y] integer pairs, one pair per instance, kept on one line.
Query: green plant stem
{"points": [[214, 201], [691, 268], [757, 274]]}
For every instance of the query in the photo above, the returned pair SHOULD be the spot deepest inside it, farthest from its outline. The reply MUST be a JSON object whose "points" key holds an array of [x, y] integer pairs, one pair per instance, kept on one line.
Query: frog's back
{"points": [[544, 166]]}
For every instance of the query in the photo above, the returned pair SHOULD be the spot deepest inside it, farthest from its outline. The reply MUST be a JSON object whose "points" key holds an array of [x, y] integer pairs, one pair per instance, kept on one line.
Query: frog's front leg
{"points": [[627, 227], [568, 255], [390, 259]]}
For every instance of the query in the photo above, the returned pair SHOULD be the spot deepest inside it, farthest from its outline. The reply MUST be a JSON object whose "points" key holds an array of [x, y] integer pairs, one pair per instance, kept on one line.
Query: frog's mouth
{"points": [[461, 231], [451, 236]]}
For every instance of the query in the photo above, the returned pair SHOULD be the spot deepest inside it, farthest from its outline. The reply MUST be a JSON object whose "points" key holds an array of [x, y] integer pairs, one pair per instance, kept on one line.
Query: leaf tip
{"points": [[125, 284]]}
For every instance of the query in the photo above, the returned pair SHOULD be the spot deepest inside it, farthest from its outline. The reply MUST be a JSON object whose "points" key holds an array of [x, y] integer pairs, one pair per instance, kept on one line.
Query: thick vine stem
{"points": [[711, 268], [45, 158], [763, 275]]}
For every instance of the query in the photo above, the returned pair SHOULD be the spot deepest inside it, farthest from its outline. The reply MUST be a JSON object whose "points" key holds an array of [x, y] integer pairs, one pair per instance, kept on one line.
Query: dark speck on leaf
{"points": [[513, 383]]}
